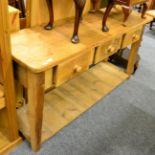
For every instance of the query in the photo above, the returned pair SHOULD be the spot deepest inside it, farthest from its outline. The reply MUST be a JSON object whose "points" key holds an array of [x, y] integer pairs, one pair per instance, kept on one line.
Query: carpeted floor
{"points": [[123, 123]]}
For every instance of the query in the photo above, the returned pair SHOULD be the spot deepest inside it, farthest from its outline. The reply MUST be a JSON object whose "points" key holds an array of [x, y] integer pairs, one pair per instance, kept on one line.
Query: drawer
{"points": [[49, 79], [72, 67], [21, 75], [1, 81], [132, 36], [107, 49]]}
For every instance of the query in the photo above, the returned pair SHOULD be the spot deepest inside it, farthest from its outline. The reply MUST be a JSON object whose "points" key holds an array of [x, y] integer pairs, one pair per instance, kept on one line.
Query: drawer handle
{"points": [[77, 69], [111, 49], [135, 37]]}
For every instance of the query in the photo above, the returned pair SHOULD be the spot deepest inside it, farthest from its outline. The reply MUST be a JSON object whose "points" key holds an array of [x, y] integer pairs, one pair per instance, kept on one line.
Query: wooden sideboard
{"points": [[46, 60]]}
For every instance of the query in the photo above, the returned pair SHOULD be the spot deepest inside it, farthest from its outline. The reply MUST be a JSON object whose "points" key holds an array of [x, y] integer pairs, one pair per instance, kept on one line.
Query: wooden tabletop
{"points": [[39, 50], [151, 13]]}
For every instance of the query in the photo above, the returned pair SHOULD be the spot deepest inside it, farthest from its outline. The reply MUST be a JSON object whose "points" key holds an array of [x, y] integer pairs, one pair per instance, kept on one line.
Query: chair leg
{"points": [[79, 6], [49, 26], [108, 9], [127, 11], [94, 5], [145, 7]]}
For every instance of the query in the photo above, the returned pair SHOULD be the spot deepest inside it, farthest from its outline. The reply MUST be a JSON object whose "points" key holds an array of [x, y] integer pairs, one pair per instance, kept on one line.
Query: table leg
{"points": [[35, 107], [132, 57], [79, 6]]}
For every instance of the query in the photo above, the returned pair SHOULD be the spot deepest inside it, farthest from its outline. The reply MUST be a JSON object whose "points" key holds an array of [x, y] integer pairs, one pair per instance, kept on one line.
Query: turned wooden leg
{"points": [[108, 9], [49, 26], [35, 107], [145, 7], [127, 11], [94, 5], [79, 6]]}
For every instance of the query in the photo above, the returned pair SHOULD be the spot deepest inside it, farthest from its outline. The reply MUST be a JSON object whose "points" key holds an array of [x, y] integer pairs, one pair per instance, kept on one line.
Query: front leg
{"points": [[94, 5], [107, 12], [127, 11], [145, 7], [79, 6], [49, 26]]}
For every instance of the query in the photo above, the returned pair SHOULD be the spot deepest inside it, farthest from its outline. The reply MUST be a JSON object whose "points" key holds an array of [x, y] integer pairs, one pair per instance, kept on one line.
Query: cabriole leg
{"points": [[94, 5], [127, 11], [145, 7], [108, 9], [49, 26], [79, 6]]}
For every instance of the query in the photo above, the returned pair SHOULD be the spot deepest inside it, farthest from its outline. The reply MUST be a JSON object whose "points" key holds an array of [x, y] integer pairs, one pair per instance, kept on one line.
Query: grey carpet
{"points": [[123, 123]]}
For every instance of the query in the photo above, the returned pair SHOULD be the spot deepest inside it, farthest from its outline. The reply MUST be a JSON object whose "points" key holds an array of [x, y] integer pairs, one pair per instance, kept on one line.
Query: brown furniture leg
{"points": [[132, 57], [107, 12], [79, 6], [127, 11], [49, 26], [145, 7], [35, 107], [94, 5]]}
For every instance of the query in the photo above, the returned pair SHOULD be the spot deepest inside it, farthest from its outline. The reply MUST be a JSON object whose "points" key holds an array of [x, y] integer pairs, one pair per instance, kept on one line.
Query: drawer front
{"points": [[49, 79], [132, 36], [107, 49], [72, 68], [1, 81], [21, 76]]}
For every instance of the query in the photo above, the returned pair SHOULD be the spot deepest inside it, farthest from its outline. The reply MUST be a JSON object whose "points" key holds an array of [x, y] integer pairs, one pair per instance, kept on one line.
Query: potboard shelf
{"points": [[5, 144], [70, 100]]}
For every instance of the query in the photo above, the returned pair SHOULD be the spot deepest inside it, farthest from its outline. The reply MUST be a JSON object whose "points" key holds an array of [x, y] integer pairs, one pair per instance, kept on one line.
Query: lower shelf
{"points": [[6, 145], [70, 100]]}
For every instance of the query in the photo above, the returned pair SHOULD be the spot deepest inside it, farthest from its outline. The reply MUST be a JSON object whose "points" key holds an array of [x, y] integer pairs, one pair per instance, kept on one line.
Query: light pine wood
{"points": [[132, 36], [133, 53], [35, 110], [107, 49], [72, 67], [67, 102], [1, 91], [2, 102], [151, 13], [49, 79], [22, 76], [8, 124], [14, 24], [7, 73], [38, 12], [6, 146], [39, 50]]}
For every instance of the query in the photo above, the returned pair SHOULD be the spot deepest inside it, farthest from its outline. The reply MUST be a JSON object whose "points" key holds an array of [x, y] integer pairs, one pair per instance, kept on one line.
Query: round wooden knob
{"points": [[77, 69], [110, 49], [135, 37]]}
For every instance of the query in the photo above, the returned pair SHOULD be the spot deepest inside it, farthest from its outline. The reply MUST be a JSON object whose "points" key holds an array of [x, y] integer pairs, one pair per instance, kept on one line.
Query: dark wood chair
{"points": [[19, 4], [126, 7]]}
